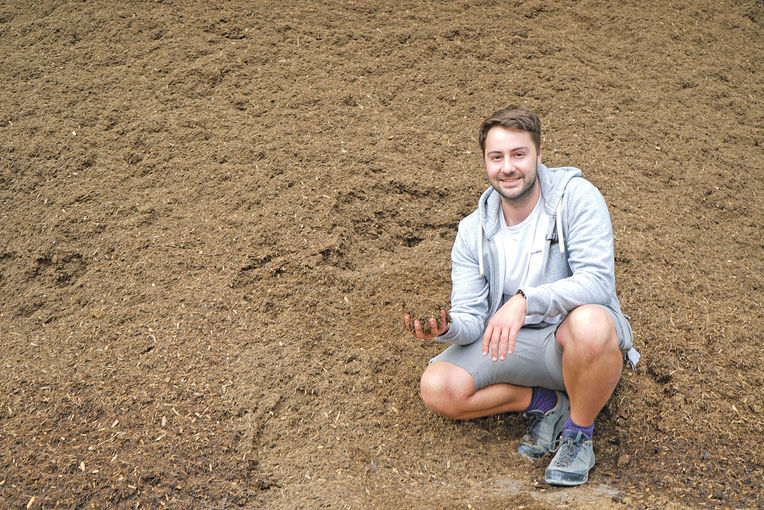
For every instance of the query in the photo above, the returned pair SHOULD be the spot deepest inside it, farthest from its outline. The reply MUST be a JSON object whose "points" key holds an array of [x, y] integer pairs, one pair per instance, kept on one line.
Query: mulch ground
{"points": [[210, 214]]}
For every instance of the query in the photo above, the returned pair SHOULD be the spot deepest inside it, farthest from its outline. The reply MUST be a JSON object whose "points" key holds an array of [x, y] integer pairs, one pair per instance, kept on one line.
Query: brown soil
{"points": [[210, 215], [424, 313]]}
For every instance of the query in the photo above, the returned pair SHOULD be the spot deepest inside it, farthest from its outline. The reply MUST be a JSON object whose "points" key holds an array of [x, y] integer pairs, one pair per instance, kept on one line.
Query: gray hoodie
{"points": [[578, 258]]}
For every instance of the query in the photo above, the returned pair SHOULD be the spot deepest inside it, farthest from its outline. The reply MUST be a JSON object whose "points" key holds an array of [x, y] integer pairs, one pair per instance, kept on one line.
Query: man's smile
{"points": [[510, 180]]}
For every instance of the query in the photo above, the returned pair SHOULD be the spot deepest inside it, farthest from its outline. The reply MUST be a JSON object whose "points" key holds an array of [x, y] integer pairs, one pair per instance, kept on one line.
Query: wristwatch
{"points": [[520, 291]]}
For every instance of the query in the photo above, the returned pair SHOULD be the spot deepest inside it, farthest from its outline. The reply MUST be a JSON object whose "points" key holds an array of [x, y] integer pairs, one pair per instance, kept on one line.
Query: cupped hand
{"points": [[434, 329]]}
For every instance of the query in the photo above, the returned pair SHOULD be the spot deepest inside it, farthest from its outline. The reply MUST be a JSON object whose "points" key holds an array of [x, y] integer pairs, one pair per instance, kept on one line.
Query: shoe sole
{"points": [[565, 479]]}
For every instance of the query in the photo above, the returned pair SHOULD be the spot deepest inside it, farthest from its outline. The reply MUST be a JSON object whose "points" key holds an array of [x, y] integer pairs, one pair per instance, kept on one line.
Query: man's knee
{"points": [[444, 387], [589, 328]]}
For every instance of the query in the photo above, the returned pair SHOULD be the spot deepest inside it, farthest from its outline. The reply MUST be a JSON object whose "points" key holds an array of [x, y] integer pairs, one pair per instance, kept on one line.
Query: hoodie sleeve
{"points": [[469, 289], [589, 254]]}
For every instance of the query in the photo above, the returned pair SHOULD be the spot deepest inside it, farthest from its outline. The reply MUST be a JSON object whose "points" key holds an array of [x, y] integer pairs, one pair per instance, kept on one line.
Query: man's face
{"points": [[510, 161]]}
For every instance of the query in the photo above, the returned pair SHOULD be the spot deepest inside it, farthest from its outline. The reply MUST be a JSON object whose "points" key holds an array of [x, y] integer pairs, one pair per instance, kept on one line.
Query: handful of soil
{"points": [[423, 315]]}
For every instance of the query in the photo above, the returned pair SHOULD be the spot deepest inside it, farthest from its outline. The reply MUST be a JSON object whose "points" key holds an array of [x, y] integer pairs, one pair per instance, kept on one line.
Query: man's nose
{"points": [[506, 165]]}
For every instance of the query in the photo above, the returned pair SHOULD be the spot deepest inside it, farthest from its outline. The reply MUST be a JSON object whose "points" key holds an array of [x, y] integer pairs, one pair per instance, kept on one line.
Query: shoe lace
{"points": [[569, 446], [533, 422]]}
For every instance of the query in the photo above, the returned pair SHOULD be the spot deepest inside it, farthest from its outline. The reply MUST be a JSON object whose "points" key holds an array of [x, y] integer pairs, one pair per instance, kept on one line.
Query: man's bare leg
{"points": [[591, 368], [449, 390], [591, 362]]}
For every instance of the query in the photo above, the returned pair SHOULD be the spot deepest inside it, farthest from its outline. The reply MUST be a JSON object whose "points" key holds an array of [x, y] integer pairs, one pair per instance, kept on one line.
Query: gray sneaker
{"points": [[573, 460], [543, 429]]}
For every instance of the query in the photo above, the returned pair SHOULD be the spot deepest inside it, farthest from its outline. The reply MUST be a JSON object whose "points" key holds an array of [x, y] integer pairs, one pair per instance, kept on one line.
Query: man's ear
{"points": [[538, 157]]}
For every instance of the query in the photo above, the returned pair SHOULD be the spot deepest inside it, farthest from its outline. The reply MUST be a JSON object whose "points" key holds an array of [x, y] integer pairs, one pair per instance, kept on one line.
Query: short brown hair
{"points": [[512, 117]]}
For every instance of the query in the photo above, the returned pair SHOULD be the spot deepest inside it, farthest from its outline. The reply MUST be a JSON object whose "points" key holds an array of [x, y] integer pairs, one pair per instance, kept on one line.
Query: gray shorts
{"points": [[536, 360]]}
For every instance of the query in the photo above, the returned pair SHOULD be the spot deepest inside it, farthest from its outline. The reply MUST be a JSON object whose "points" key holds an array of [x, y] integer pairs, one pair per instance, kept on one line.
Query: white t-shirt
{"points": [[523, 256]]}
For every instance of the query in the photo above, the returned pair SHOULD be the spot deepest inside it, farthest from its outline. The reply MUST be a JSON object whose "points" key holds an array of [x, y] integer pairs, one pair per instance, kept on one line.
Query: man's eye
{"points": [[519, 155]]}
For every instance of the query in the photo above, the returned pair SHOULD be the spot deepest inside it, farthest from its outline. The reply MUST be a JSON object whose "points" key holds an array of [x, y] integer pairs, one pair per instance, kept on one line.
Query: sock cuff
{"points": [[570, 425], [542, 400]]}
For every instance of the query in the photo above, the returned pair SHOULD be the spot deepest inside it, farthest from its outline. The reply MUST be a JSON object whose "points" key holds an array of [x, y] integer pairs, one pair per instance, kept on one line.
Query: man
{"points": [[536, 324]]}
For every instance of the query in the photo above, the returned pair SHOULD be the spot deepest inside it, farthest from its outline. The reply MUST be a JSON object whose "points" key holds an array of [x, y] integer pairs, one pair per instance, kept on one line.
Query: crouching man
{"points": [[536, 326]]}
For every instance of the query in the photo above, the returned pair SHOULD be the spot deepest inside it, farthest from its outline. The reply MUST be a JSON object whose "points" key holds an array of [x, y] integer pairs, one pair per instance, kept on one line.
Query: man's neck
{"points": [[516, 211]]}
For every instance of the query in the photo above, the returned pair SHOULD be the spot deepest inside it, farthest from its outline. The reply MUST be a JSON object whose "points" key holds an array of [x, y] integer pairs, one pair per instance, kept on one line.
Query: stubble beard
{"points": [[519, 199]]}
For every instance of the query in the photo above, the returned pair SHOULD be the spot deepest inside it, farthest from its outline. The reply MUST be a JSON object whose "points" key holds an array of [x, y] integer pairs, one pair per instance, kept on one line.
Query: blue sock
{"points": [[587, 431], [543, 400]]}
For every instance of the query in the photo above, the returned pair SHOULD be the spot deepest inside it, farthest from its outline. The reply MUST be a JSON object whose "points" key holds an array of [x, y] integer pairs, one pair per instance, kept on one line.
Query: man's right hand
{"points": [[500, 334], [434, 330]]}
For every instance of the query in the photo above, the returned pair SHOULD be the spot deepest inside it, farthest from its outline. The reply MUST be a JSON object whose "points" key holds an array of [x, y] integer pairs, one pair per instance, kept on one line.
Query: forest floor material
{"points": [[211, 213]]}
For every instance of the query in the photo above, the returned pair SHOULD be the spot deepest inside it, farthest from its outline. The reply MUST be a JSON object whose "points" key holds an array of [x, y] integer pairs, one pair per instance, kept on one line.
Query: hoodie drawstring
{"points": [[480, 251], [558, 218]]}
